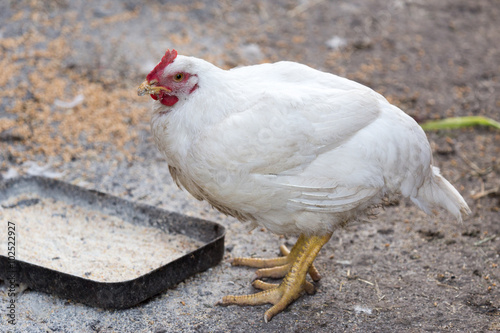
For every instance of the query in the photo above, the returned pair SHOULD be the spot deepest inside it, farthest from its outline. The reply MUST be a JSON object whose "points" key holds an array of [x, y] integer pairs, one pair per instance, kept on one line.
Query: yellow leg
{"points": [[277, 267], [303, 253]]}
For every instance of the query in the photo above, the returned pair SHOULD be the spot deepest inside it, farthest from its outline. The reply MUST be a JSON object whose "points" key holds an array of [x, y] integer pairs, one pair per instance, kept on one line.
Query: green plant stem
{"points": [[459, 122]]}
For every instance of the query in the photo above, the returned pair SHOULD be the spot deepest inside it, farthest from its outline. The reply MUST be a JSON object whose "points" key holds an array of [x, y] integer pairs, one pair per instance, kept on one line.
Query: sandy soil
{"points": [[68, 77]]}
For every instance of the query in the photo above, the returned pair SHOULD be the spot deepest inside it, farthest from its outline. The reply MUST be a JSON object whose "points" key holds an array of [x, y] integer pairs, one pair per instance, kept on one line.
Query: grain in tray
{"points": [[88, 243]]}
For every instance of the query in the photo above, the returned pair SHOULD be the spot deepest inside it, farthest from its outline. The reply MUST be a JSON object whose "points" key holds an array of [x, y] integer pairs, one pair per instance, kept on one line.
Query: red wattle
{"points": [[169, 100]]}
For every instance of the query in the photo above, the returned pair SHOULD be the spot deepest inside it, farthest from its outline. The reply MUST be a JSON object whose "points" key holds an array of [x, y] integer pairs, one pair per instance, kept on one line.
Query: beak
{"points": [[149, 88]]}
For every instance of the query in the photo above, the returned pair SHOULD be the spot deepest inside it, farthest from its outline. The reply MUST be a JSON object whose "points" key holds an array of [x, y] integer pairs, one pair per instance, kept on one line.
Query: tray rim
{"points": [[114, 294]]}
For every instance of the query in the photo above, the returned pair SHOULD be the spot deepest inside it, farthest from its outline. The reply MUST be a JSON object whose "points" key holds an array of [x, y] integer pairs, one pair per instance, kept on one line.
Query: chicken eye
{"points": [[178, 77]]}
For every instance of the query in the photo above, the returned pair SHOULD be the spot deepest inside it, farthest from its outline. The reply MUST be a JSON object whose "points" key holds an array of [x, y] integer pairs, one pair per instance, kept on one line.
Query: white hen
{"points": [[290, 148]]}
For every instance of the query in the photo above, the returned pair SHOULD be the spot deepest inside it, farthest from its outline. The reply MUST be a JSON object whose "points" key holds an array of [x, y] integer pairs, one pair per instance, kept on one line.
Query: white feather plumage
{"points": [[294, 149]]}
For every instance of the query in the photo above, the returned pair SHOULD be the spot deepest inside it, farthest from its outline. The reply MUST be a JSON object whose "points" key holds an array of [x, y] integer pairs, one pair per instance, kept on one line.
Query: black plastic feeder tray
{"points": [[112, 295]]}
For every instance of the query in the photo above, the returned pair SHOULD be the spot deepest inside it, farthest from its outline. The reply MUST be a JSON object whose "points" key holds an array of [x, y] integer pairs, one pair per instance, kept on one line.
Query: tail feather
{"points": [[437, 191]]}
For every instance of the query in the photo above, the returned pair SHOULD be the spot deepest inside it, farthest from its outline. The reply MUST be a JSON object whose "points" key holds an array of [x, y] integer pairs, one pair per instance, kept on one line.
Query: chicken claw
{"points": [[301, 258], [276, 267]]}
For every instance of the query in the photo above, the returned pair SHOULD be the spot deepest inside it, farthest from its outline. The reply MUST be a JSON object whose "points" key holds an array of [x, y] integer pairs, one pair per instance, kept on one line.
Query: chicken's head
{"points": [[168, 81]]}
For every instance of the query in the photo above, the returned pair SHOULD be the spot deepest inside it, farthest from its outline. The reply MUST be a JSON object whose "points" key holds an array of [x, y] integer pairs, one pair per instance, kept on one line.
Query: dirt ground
{"points": [[68, 76]]}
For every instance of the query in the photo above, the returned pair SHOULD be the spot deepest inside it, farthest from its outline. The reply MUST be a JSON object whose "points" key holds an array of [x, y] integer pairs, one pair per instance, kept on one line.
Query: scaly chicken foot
{"points": [[306, 248], [277, 267], [259, 284]]}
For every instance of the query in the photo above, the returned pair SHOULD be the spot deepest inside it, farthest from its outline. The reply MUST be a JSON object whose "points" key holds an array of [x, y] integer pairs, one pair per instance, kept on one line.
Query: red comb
{"points": [[167, 59]]}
